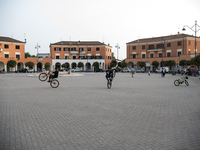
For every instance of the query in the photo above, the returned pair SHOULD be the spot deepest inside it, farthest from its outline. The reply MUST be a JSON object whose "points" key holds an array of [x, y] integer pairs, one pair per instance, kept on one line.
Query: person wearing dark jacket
{"points": [[53, 75]]}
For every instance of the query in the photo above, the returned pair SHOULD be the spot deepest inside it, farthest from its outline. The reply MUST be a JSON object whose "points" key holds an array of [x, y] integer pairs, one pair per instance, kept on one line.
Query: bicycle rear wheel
{"points": [[176, 82], [186, 83], [109, 83], [54, 83], [43, 76]]}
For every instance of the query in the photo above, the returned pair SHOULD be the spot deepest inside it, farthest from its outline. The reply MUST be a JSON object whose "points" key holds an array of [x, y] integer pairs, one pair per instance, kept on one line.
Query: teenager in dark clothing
{"points": [[109, 72], [54, 75]]}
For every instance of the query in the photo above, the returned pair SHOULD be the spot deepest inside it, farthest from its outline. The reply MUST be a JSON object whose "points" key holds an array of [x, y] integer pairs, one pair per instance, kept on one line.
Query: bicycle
{"points": [[177, 82], [109, 80], [44, 76]]}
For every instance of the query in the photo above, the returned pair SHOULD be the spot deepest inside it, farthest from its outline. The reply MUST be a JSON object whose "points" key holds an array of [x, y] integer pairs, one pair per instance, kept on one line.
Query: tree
{"points": [[113, 57], [47, 65], [142, 64], [196, 61], [169, 63], [124, 64], [11, 63], [96, 65], [112, 65], [155, 64], [64, 65], [188, 62], [27, 55], [29, 64], [183, 63], [114, 62], [80, 64], [119, 64]]}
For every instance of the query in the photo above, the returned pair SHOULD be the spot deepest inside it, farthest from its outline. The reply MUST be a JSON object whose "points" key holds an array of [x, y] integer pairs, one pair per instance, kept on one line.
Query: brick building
{"points": [[86, 52], [12, 49], [174, 47]]}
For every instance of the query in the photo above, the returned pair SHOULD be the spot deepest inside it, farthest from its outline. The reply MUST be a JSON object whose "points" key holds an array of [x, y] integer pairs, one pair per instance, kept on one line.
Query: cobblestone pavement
{"points": [[139, 113]]}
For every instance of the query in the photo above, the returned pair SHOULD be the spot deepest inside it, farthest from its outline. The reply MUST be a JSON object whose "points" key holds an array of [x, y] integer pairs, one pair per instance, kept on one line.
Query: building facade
{"points": [[174, 47], [72, 53], [12, 49]]}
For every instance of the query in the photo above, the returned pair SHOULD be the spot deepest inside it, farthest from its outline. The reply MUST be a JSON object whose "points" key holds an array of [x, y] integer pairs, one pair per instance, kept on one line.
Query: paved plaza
{"points": [[139, 113]]}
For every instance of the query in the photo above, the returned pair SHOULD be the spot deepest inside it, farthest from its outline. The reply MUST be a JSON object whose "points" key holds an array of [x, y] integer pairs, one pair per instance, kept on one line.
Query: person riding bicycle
{"points": [[109, 73], [53, 74]]}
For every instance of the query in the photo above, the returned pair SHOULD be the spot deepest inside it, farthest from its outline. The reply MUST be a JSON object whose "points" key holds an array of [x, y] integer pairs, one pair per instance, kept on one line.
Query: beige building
{"points": [[173, 47], [86, 52]]}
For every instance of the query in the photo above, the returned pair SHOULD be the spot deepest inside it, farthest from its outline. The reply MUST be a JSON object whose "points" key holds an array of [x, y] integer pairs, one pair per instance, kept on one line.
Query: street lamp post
{"points": [[37, 47], [195, 44], [117, 46]]}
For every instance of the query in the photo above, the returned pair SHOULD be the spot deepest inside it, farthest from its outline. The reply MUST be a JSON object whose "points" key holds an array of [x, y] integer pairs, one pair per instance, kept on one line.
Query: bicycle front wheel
{"points": [[54, 83], [186, 83], [176, 83], [43, 76], [109, 83]]}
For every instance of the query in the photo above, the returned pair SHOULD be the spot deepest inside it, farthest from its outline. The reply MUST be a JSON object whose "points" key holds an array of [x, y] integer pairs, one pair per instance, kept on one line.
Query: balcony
{"points": [[74, 52], [155, 50], [82, 52]]}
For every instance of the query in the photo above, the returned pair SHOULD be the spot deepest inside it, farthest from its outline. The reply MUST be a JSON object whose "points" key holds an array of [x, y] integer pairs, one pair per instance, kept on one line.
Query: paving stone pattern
{"points": [[139, 113]]}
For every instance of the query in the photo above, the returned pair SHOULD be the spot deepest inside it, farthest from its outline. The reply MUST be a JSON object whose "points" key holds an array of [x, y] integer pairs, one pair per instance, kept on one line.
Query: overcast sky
{"points": [[108, 21]]}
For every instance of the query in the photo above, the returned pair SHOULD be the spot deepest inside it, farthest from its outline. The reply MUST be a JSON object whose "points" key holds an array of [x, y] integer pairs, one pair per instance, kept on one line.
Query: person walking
{"points": [[132, 71]]}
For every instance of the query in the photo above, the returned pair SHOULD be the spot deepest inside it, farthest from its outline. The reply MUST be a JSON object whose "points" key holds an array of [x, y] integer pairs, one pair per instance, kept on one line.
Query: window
{"points": [[134, 55], [89, 57], [74, 57], [160, 55], [17, 56], [179, 43], [6, 55], [6, 46], [169, 54], [66, 49], [73, 49], [81, 57], [17, 47], [98, 57], [66, 57], [168, 44], [134, 47], [57, 49], [88, 49], [80, 49], [143, 55], [143, 46], [159, 46], [179, 53], [97, 49], [151, 55], [57, 57], [189, 42], [151, 46]]}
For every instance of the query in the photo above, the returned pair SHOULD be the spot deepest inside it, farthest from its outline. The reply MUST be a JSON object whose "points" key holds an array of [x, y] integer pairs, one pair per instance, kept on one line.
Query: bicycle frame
{"points": [[182, 80]]}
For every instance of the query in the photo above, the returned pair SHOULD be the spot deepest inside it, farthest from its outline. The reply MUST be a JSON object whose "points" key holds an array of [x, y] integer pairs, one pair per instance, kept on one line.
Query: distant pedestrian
{"points": [[132, 71], [149, 73], [164, 72]]}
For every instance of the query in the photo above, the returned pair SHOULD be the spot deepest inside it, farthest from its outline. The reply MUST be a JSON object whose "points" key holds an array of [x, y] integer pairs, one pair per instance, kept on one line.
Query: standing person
{"points": [[132, 71], [163, 72], [149, 73]]}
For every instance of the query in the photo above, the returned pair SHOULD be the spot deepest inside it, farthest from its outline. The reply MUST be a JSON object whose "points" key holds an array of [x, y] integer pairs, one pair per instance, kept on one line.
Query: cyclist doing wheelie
{"points": [[109, 73], [109, 77], [53, 75]]}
